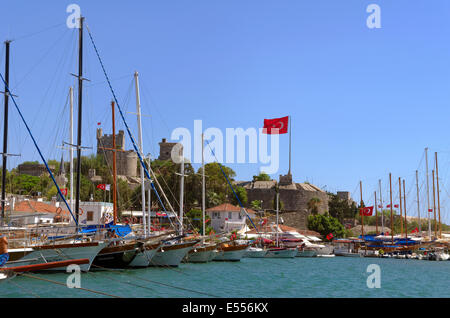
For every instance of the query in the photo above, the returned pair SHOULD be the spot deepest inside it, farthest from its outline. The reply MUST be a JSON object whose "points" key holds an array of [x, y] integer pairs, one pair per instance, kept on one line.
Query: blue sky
{"points": [[364, 102]]}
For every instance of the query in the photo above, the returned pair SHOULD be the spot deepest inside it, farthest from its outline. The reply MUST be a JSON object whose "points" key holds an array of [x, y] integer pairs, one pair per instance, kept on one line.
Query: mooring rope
{"points": [[62, 284]]}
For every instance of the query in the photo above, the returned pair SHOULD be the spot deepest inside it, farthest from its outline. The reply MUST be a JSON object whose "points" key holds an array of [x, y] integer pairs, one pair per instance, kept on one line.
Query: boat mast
{"points": [[418, 202], [141, 149], [404, 207], [203, 187], [401, 210], [80, 117], [361, 214], [382, 213], [114, 164], [392, 215], [438, 199], [434, 206], [181, 191], [149, 192], [376, 212], [278, 199], [71, 147], [5, 130], [428, 194]]}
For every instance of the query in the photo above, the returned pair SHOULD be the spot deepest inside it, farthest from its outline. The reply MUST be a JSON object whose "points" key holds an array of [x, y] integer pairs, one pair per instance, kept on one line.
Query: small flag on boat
{"points": [[416, 230], [280, 125], [380, 206], [108, 187], [366, 211], [264, 221], [430, 210], [64, 191], [329, 236], [388, 206], [101, 186], [99, 123], [396, 206]]}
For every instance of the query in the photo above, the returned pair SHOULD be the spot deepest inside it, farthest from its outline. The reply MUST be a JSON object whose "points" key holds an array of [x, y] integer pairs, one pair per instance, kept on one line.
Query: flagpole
{"points": [[376, 212], [418, 202], [392, 216], [382, 213], [401, 210], [361, 214], [290, 129], [438, 199], [404, 208]]}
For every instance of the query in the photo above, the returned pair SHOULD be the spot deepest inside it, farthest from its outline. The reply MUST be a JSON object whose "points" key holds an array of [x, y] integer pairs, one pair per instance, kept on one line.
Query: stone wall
{"points": [[34, 169]]}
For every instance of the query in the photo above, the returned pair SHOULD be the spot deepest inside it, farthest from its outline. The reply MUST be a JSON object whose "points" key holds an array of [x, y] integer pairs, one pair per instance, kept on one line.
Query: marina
{"points": [[96, 201]]}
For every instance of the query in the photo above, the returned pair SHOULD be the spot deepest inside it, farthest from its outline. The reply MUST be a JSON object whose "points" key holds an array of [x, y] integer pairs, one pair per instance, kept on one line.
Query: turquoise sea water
{"points": [[298, 277]]}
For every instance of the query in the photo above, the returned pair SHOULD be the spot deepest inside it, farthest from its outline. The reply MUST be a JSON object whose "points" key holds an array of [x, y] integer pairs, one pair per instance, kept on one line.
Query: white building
{"points": [[227, 217]]}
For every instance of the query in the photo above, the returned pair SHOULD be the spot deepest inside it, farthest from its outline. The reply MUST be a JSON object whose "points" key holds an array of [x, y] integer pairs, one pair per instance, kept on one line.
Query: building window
{"points": [[240, 216], [90, 216], [230, 215]]}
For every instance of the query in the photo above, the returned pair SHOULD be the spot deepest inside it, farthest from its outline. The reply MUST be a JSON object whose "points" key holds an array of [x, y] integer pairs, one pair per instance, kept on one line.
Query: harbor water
{"points": [[297, 277]]}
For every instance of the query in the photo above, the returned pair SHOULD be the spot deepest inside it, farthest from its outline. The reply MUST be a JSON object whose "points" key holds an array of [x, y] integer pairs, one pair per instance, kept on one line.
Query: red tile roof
{"points": [[35, 206], [227, 207]]}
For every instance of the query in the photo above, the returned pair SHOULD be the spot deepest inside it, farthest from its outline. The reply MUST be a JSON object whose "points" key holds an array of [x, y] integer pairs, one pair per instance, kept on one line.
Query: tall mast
{"points": [[203, 187], [401, 210], [114, 164], [404, 208], [278, 198], [376, 212], [434, 206], [438, 199], [418, 202], [181, 192], [381, 203], [361, 214], [392, 215], [141, 149], [80, 116], [5, 131], [149, 193], [428, 194], [71, 148]]}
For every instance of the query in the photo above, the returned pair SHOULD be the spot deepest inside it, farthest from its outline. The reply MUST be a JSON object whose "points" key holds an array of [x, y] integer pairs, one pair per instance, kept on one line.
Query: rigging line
{"points": [[123, 118], [25, 289], [37, 147], [65, 285], [223, 172], [40, 60], [36, 33]]}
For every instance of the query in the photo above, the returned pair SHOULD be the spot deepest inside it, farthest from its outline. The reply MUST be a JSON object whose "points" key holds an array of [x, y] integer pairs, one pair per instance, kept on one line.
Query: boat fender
{"points": [[381, 251]]}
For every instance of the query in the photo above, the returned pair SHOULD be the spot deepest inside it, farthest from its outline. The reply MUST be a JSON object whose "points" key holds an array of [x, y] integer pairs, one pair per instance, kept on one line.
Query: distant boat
{"points": [[281, 252], [201, 254], [172, 253], [255, 252], [231, 252]]}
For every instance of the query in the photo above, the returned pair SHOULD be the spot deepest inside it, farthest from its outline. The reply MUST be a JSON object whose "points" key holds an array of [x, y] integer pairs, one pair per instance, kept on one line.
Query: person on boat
{"points": [[4, 256]]}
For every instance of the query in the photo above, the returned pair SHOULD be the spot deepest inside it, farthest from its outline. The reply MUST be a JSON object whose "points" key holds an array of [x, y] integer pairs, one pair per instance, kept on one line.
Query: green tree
{"points": [[262, 177], [326, 224], [195, 218], [256, 205], [242, 195], [341, 209]]}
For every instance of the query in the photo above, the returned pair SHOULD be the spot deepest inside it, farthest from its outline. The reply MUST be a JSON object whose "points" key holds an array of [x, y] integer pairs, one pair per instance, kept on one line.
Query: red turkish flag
{"points": [[388, 206], [430, 210], [64, 191], [101, 186], [279, 123], [367, 211], [396, 206], [329, 236], [415, 230]]}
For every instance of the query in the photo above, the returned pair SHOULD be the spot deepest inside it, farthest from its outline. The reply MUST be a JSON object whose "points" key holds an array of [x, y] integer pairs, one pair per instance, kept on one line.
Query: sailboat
{"points": [[280, 252], [202, 252]]}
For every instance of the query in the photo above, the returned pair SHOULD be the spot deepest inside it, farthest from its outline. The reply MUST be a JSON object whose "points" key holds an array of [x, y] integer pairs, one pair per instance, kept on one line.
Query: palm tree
{"points": [[313, 205]]}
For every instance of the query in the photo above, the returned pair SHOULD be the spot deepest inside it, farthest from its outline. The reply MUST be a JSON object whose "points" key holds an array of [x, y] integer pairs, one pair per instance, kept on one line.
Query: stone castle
{"points": [[294, 198]]}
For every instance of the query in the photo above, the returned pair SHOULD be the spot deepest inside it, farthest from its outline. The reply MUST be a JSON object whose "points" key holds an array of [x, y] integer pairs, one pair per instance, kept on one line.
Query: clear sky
{"points": [[364, 102]]}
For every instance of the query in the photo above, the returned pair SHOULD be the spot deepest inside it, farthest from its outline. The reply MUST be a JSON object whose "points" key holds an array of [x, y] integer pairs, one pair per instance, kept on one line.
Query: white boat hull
{"points": [[256, 254], [230, 256], [169, 256], [63, 253], [143, 258], [283, 253], [307, 253], [199, 257]]}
